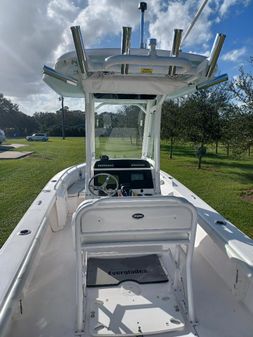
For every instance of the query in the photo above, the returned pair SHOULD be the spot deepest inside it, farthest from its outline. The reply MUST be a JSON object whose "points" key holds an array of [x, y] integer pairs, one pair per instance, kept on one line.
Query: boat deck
{"points": [[48, 306]]}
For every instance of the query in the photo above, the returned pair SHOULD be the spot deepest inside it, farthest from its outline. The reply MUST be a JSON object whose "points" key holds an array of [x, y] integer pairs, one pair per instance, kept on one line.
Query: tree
{"points": [[170, 125], [242, 88], [201, 120], [51, 123], [242, 126], [13, 121], [45, 120], [227, 126], [74, 122]]}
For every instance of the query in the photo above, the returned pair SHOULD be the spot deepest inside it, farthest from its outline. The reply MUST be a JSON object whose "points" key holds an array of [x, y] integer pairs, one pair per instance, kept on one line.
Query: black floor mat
{"points": [[112, 271]]}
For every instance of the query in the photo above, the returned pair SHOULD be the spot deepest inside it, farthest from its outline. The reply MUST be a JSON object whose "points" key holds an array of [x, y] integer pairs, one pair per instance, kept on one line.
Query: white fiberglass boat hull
{"points": [[38, 290]]}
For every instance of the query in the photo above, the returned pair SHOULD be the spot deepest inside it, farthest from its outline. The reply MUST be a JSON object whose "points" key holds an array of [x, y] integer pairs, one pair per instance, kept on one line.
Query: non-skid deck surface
{"points": [[49, 302], [112, 271], [132, 309]]}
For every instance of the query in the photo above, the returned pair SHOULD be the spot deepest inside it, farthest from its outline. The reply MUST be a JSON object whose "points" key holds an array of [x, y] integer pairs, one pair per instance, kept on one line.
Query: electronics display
{"points": [[131, 174]]}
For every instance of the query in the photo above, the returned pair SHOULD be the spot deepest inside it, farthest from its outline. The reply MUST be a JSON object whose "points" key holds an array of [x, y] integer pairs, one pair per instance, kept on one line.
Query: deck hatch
{"points": [[113, 271]]}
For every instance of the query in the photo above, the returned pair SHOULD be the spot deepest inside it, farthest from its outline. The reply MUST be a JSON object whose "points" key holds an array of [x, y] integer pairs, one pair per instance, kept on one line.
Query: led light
{"points": [[210, 83], [53, 73]]}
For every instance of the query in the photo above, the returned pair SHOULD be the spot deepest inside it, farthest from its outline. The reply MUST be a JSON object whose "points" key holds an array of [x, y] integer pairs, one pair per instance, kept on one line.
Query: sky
{"points": [[37, 32]]}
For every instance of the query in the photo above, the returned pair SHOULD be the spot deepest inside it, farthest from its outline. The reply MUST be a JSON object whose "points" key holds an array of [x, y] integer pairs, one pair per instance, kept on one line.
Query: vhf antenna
{"points": [[142, 6]]}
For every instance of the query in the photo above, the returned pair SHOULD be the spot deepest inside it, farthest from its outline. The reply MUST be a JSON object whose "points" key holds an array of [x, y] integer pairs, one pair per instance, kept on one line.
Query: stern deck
{"points": [[48, 306]]}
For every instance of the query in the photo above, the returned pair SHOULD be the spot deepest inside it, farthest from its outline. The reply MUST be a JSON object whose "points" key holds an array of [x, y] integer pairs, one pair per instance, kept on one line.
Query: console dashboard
{"points": [[135, 176]]}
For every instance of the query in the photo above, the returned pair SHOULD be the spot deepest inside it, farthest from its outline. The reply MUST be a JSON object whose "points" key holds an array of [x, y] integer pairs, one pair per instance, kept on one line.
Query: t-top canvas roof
{"points": [[132, 71]]}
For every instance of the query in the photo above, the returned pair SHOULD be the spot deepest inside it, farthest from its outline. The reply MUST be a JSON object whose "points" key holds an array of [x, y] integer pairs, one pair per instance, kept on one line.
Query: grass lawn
{"points": [[220, 182], [22, 179]]}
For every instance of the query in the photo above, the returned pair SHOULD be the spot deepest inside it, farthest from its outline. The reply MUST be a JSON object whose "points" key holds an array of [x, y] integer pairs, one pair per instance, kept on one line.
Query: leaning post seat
{"points": [[128, 227]]}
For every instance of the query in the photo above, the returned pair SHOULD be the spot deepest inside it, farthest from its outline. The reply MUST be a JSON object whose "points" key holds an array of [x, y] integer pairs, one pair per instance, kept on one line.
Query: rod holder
{"points": [[175, 49], [125, 46], [142, 7], [152, 44], [80, 51], [176, 41], [53, 73], [215, 52], [210, 83]]}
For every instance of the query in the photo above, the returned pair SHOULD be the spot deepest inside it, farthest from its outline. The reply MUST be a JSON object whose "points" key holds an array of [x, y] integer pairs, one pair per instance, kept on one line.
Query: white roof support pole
{"points": [[190, 299], [79, 282], [90, 138], [157, 128], [146, 133]]}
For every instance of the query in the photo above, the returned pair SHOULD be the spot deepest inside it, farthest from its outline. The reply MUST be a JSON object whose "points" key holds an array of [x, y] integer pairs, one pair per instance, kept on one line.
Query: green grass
{"points": [[22, 179], [220, 182]]}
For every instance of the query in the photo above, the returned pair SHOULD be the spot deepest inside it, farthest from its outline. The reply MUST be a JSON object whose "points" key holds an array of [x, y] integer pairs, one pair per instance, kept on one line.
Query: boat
{"points": [[115, 246]]}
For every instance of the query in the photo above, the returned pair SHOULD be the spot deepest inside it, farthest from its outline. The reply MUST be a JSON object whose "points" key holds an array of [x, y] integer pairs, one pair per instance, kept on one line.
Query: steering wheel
{"points": [[106, 179]]}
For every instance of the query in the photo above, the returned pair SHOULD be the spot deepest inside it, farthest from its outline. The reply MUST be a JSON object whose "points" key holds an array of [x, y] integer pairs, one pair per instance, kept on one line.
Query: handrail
{"points": [[149, 60]]}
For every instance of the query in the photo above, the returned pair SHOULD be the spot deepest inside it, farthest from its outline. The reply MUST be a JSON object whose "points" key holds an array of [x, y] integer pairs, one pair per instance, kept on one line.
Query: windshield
{"points": [[119, 133]]}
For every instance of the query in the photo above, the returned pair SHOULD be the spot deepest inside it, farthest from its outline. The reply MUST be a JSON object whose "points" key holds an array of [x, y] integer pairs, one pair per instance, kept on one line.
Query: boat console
{"points": [[125, 177]]}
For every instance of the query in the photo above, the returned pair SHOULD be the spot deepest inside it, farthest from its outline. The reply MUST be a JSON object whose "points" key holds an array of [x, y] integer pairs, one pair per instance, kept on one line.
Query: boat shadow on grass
{"points": [[242, 171]]}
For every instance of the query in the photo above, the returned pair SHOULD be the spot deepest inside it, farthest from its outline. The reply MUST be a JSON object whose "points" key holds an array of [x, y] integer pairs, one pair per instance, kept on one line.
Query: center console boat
{"points": [[115, 246]]}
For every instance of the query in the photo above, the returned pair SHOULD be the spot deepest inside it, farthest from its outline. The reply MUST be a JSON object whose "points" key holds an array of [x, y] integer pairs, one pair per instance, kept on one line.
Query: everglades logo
{"points": [[127, 272], [138, 216]]}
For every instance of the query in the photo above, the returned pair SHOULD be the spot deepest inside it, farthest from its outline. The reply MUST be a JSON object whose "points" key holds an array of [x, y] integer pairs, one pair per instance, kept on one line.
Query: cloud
{"points": [[227, 4], [48, 101], [180, 15], [106, 17], [234, 55], [29, 33], [36, 32], [99, 20]]}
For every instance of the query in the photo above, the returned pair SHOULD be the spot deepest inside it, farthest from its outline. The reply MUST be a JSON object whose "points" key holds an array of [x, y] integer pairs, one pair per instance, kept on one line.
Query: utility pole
{"points": [[61, 98]]}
